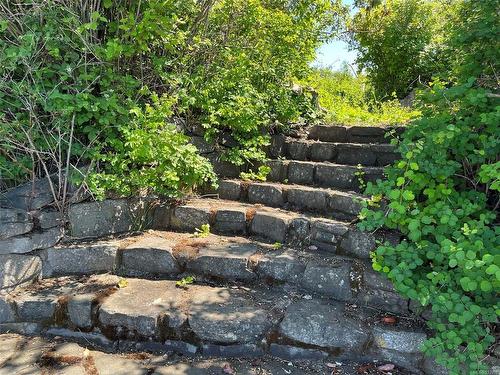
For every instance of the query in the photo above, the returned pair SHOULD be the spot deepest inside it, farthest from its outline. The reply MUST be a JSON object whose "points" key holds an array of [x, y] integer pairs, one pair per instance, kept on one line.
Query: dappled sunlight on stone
{"points": [[227, 316], [18, 270]]}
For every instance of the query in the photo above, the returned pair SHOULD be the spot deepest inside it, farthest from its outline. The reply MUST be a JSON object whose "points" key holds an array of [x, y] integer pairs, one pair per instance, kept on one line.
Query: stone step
{"points": [[172, 255], [274, 225], [324, 174], [354, 134], [340, 153], [333, 203], [157, 316], [23, 354]]}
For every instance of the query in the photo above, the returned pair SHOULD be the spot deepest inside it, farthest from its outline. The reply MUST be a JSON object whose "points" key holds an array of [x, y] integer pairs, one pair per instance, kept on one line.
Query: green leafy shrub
{"points": [[256, 49], [230, 63], [443, 195], [78, 81], [401, 43], [351, 100], [154, 157], [51, 104], [68, 102]]}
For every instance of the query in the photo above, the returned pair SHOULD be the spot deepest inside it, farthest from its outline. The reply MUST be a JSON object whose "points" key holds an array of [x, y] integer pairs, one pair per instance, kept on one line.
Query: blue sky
{"points": [[335, 53]]}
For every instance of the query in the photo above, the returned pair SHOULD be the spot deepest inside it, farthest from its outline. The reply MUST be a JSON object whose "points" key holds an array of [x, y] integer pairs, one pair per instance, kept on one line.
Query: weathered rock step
{"points": [[170, 255], [334, 203], [22, 354], [273, 224], [340, 153], [354, 134], [162, 317], [324, 174]]}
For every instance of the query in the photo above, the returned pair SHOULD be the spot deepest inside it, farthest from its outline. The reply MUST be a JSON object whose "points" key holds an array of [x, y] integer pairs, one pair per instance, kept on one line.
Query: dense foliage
{"points": [[400, 43], [105, 90], [67, 100], [349, 99], [444, 197], [99, 83]]}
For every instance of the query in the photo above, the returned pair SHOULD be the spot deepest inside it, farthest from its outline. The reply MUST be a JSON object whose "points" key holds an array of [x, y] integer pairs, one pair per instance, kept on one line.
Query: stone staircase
{"points": [[284, 271]]}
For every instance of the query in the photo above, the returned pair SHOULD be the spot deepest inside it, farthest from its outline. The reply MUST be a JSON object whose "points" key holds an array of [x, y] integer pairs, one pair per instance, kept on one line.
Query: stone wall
{"points": [[29, 223]]}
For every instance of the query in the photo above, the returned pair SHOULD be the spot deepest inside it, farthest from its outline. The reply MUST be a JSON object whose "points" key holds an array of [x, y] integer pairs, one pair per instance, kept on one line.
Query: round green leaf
{"points": [[486, 286], [408, 195]]}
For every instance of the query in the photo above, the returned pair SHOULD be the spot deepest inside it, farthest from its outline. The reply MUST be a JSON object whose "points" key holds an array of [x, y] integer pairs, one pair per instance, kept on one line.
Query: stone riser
{"points": [[415, 363], [340, 153], [354, 134], [335, 204], [321, 174], [157, 316]]}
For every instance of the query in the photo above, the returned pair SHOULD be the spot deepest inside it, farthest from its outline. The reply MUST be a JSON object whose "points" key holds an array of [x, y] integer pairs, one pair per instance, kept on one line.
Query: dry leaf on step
{"points": [[228, 369], [386, 367], [389, 320]]}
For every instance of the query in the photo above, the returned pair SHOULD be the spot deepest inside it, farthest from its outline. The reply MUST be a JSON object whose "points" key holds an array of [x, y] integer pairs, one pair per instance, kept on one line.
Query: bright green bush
{"points": [[444, 197], [153, 158], [68, 101], [351, 100], [246, 86], [401, 43], [75, 74]]}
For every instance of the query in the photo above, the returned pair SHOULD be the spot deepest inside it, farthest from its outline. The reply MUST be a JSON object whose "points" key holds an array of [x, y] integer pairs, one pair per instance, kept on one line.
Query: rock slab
{"points": [[85, 259], [149, 256], [226, 316], [227, 261], [14, 222], [144, 308], [323, 325], [17, 270], [97, 219], [31, 241]]}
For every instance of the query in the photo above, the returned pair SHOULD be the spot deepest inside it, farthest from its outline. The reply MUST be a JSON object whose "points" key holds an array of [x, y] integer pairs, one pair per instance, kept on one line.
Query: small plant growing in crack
{"points": [[185, 281], [203, 231], [277, 245], [375, 200], [260, 175], [122, 283]]}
